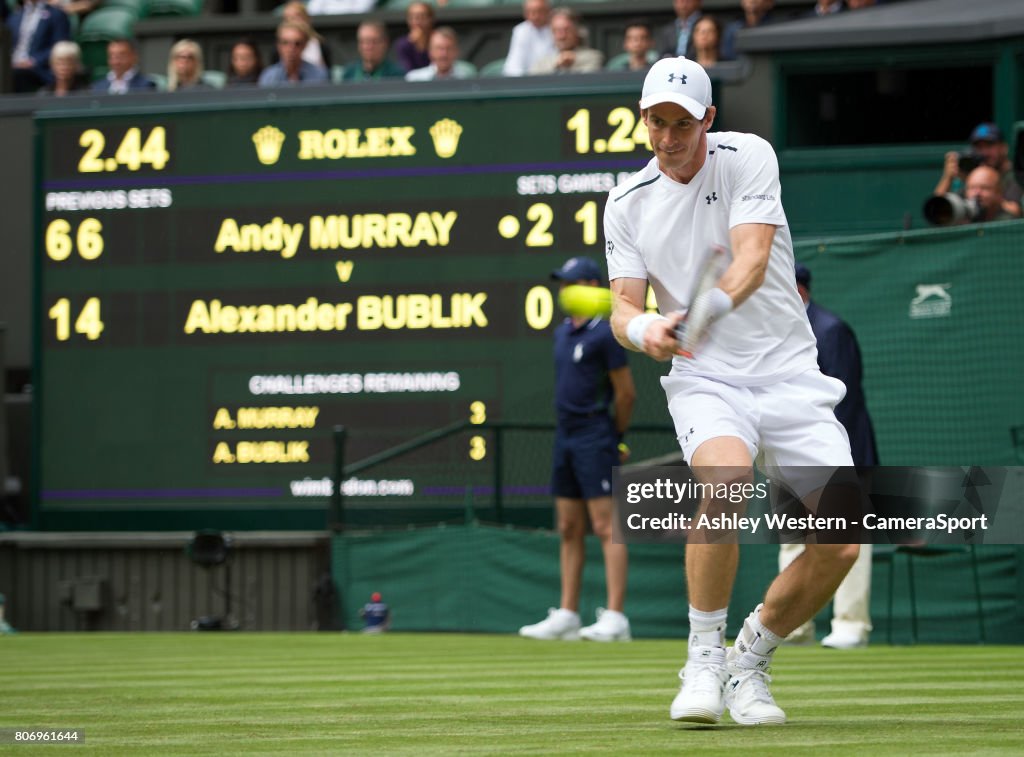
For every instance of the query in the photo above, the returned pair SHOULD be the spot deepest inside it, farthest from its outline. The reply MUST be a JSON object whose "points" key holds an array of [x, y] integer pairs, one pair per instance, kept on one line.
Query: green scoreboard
{"points": [[220, 284]]}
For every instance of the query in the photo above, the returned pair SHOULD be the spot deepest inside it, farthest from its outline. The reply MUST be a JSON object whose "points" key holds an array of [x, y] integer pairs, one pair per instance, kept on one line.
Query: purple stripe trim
{"points": [[157, 493], [370, 173], [455, 491]]}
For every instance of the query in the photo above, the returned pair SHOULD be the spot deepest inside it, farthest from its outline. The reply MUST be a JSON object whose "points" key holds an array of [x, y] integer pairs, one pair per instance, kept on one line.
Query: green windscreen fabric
{"points": [[495, 579], [938, 314]]}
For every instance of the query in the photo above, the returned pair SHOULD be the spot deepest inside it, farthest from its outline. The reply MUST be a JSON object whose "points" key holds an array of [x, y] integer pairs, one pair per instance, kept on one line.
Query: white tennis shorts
{"points": [[791, 423]]}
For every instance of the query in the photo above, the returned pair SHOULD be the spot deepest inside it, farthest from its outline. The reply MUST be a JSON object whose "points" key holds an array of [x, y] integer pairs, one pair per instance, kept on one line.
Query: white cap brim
{"points": [[688, 104]]}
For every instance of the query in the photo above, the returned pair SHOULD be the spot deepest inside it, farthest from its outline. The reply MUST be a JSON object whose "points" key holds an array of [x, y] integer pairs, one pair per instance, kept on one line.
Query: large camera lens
{"points": [[950, 209]]}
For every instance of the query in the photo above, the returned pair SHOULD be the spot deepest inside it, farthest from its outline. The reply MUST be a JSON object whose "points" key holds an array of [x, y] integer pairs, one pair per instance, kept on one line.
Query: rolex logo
{"points": [[268, 141], [445, 134]]}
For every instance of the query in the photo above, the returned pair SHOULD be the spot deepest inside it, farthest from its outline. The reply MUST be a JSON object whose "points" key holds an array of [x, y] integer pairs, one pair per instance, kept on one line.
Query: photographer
{"points": [[984, 192], [987, 148]]}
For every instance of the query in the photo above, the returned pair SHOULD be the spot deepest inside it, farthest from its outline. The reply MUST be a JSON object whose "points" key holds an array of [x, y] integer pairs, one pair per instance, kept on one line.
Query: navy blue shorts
{"points": [[582, 460]]}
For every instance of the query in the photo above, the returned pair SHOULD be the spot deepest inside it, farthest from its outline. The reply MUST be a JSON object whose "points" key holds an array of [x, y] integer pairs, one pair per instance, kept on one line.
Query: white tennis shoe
{"points": [[560, 624], [611, 625], [749, 700], [701, 698]]}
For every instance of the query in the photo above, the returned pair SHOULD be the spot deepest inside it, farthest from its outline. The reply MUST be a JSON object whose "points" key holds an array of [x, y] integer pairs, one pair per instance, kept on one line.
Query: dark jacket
{"points": [[839, 357], [53, 27]]}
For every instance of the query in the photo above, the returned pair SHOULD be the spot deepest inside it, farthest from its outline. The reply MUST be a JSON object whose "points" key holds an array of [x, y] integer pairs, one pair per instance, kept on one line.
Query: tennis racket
{"points": [[698, 319]]}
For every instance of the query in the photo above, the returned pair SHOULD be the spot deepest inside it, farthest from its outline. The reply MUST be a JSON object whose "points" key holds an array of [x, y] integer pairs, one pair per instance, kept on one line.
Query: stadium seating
{"points": [[140, 7], [175, 7], [105, 24], [215, 78], [494, 68], [98, 28]]}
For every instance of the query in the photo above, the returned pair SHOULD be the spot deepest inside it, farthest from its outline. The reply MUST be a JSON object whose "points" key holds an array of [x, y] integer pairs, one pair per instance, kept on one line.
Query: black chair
{"points": [[209, 549], [926, 551]]}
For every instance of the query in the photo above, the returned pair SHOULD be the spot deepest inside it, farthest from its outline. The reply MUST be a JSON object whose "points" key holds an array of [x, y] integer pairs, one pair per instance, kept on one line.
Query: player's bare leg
{"points": [[711, 562], [806, 585]]}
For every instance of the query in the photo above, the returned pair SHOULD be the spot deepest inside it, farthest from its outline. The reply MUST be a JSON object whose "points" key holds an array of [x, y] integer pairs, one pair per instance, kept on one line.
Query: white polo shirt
{"points": [[660, 230]]}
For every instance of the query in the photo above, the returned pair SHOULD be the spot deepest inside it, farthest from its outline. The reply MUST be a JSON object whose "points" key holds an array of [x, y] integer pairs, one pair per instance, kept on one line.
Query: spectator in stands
{"points": [[411, 50], [123, 75], [68, 73], [444, 59], [292, 37], [984, 188], [572, 56], [338, 7], [987, 148], [675, 37], [826, 8], [185, 67], [315, 51], [373, 63], [755, 13], [246, 63], [638, 44], [532, 40], [35, 28], [707, 41]]}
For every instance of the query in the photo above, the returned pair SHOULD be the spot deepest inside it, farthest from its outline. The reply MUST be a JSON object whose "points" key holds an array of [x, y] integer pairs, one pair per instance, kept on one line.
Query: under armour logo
{"points": [[610, 248], [713, 197], [688, 434], [680, 77]]}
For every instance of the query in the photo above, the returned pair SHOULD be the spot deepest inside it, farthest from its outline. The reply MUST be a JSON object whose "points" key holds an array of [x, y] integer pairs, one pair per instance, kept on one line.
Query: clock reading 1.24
{"points": [[628, 133], [132, 152]]}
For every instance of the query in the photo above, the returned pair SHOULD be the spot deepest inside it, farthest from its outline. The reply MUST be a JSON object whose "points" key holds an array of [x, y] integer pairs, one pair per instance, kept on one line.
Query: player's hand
{"points": [[660, 338]]}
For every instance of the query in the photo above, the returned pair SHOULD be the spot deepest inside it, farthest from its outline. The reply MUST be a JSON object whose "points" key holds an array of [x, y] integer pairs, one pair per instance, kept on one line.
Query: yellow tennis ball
{"points": [[586, 301]]}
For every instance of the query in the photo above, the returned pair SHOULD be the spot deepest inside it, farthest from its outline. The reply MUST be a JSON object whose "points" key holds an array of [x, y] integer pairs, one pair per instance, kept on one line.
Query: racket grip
{"points": [[707, 309]]}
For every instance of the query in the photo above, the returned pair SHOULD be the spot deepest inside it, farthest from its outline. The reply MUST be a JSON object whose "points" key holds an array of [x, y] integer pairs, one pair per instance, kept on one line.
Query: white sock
{"points": [[707, 629], [756, 644]]}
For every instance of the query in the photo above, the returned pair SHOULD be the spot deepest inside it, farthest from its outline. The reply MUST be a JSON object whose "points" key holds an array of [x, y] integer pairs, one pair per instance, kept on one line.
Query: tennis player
{"points": [[752, 385]]}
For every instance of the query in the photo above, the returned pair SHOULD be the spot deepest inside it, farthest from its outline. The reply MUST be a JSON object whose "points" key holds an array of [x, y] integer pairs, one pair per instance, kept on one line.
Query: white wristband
{"points": [[637, 327]]}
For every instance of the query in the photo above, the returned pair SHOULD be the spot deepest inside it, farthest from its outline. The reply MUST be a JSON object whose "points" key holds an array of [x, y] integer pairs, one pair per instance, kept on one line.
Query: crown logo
{"points": [[268, 141], [445, 134]]}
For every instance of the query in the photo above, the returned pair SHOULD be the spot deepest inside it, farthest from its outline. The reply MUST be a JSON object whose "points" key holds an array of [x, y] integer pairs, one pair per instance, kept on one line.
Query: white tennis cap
{"points": [[678, 80]]}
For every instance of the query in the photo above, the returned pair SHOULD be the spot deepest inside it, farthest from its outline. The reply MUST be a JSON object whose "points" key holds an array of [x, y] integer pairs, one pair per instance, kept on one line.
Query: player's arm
{"points": [[751, 247], [637, 330]]}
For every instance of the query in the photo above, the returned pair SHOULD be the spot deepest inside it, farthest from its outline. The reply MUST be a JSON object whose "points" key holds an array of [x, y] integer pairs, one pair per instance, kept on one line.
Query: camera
{"points": [[967, 162], [951, 209]]}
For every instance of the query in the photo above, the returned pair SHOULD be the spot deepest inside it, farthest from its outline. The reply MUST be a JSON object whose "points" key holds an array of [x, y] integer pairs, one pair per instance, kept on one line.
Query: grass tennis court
{"points": [[475, 694]]}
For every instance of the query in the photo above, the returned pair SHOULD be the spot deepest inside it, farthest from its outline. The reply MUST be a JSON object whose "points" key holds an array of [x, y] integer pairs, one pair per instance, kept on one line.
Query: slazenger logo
{"points": [[932, 301]]}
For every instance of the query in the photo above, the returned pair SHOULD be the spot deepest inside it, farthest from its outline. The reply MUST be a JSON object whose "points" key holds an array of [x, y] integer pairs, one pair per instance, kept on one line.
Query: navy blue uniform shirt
{"points": [[583, 358]]}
